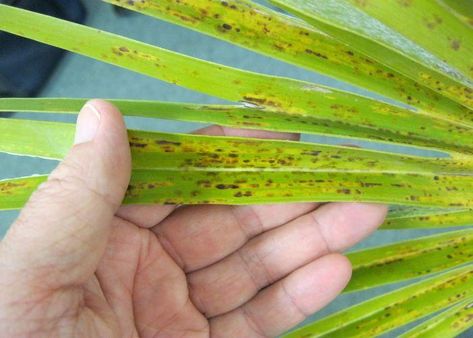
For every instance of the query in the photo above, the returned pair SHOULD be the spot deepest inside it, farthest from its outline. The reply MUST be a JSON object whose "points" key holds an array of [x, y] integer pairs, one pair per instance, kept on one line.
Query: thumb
{"points": [[62, 232]]}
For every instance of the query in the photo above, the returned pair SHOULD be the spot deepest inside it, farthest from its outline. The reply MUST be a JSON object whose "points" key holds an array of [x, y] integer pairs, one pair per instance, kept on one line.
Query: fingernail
{"points": [[87, 125]]}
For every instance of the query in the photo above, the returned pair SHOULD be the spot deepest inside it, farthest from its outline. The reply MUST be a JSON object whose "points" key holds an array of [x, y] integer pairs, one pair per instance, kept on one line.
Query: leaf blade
{"points": [[14, 193], [260, 171], [439, 136], [409, 259], [392, 310], [426, 218], [158, 150], [420, 21], [449, 323], [360, 116], [273, 34], [329, 16], [162, 186], [461, 8]]}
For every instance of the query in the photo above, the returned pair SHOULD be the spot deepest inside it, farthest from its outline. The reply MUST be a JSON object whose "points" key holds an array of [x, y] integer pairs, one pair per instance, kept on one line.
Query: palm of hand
{"points": [[204, 271]]}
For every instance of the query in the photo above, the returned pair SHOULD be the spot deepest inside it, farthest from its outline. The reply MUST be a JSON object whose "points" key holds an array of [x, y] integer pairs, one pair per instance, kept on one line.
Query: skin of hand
{"points": [[78, 264]]}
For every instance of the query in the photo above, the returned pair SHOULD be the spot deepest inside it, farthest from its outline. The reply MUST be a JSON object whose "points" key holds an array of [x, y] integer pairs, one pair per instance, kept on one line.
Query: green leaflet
{"points": [[463, 9], [398, 211], [392, 310], [36, 138], [422, 20], [243, 171], [449, 323], [409, 259], [360, 117], [164, 186], [369, 36], [427, 218], [15, 192], [250, 187], [226, 115], [454, 138], [155, 150], [260, 29]]}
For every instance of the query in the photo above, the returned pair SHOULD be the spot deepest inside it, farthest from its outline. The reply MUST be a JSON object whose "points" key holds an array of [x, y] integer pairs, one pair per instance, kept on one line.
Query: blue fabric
{"points": [[25, 65]]}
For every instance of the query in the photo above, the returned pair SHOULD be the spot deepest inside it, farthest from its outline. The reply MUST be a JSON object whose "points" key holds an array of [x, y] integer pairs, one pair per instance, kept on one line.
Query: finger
{"points": [[288, 302], [150, 215], [269, 257], [198, 236], [62, 232], [225, 131]]}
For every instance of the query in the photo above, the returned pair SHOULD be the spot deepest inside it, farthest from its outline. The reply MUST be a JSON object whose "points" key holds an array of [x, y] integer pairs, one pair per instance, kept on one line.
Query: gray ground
{"points": [[78, 76]]}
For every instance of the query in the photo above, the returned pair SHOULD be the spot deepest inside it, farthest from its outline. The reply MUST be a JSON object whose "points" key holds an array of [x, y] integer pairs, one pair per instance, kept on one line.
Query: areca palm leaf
{"points": [[263, 30], [427, 218], [453, 321], [15, 192], [335, 110], [419, 21], [461, 8], [409, 259], [155, 150], [340, 19], [258, 171], [441, 135], [149, 186], [359, 42], [392, 310]]}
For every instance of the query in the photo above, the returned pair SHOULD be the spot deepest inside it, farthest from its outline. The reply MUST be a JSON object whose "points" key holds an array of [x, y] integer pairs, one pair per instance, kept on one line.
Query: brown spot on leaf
{"points": [[227, 186], [138, 145], [166, 142], [455, 44], [312, 52], [405, 3]]}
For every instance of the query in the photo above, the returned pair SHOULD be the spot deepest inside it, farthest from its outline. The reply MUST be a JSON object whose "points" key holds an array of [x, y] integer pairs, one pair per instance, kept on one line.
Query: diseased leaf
{"points": [[263, 30], [15, 192], [449, 323], [341, 20], [409, 259], [357, 116], [463, 9], [451, 136], [244, 171], [428, 218], [156, 150], [422, 20], [164, 186], [394, 309], [397, 211], [198, 152]]}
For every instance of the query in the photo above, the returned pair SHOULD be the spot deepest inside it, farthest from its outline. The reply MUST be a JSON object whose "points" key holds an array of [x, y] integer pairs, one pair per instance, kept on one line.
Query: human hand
{"points": [[76, 263]]}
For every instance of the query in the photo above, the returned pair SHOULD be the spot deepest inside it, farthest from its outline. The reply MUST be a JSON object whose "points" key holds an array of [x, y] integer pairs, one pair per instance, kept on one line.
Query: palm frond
{"points": [[359, 42], [340, 19], [387, 312]]}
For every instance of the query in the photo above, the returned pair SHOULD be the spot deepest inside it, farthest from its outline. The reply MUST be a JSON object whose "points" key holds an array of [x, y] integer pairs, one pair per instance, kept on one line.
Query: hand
{"points": [[76, 263]]}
